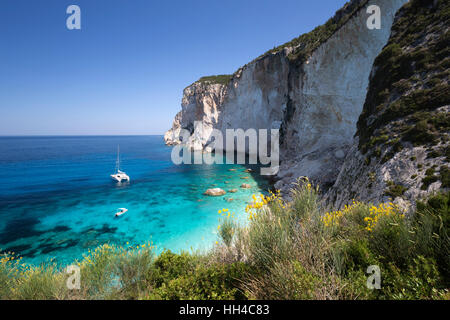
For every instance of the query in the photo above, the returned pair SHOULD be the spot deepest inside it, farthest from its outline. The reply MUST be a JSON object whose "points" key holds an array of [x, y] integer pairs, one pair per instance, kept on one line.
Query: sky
{"points": [[124, 72]]}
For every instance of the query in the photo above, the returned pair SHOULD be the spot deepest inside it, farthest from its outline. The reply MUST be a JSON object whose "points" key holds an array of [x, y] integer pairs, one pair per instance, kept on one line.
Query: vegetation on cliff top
{"points": [[288, 250], [219, 79], [305, 44]]}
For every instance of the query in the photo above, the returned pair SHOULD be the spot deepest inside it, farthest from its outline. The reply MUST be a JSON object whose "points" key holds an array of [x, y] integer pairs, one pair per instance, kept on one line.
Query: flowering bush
{"points": [[382, 211]]}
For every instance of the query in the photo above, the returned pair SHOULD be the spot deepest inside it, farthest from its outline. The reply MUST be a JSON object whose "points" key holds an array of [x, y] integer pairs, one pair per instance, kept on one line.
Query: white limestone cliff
{"points": [[316, 104]]}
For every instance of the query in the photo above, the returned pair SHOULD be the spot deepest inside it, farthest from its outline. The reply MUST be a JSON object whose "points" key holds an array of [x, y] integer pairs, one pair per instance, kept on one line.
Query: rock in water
{"points": [[215, 192]]}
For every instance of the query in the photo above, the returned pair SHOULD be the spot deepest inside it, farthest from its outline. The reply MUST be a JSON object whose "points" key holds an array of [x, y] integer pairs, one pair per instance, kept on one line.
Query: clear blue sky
{"points": [[124, 71]]}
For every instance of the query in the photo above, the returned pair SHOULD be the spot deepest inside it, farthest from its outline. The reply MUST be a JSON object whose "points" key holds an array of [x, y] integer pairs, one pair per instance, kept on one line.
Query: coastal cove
{"points": [[60, 201]]}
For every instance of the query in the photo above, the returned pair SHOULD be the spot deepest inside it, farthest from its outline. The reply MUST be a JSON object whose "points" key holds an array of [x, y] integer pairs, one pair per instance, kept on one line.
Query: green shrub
{"points": [[355, 254], [227, 228], [39, 283], [133, 269], [389, 240], [432, 231], [287, 281], [395, 190], [169, 266], [418, 281], [215, 282], [444, 176]]}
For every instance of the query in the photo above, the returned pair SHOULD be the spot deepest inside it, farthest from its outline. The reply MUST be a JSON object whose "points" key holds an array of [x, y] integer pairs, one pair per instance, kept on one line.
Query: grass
{"points": [[288, 250]]}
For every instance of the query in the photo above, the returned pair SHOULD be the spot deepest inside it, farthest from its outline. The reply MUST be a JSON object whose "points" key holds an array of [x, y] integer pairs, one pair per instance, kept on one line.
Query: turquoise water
{"points": [[58, 199]]}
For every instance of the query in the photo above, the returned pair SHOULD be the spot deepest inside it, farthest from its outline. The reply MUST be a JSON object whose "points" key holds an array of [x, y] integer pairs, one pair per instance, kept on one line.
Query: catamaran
{"points": [[119, 176]]}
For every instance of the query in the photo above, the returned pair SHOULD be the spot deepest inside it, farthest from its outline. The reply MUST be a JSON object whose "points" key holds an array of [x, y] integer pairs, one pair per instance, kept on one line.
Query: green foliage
{"points": [[133, 271], [215, 282], [395, 190], [226, 230], [349, 255], [389, 241], [223, 79], [418, 281], [267, 240], [432, 231], [410, 80], [38, 283], [290, 280], [419, 134], [428, 179], [444, 176], [169, 266]]}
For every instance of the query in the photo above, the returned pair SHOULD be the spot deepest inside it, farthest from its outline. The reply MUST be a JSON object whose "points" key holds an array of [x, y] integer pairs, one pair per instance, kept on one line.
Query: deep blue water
{"points": [[57, 199]]}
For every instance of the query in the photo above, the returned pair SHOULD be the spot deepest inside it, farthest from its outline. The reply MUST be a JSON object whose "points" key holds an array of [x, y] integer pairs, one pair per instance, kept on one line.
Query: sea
{"points": [[57, 199]]}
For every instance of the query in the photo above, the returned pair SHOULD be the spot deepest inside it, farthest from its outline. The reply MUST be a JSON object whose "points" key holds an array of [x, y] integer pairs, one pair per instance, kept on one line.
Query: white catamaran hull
{"points": [[119, 177]]}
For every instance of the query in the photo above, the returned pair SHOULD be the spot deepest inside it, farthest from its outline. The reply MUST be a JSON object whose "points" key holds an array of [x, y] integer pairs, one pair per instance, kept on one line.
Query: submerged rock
{"points": [[215, 192]]}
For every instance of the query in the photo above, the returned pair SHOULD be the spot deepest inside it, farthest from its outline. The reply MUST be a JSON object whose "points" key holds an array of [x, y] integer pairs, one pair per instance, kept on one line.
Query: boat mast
{"points": [[118, 159]]}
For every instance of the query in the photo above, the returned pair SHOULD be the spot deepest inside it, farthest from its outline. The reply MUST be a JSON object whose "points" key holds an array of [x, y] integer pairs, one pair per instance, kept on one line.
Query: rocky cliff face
{"points": [[401, 148], [326, 96], [202, 102], [313, 89]]}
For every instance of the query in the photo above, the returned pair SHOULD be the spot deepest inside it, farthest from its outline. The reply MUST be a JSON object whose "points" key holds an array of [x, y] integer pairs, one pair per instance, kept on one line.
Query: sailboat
{"points": [[119, 176]]}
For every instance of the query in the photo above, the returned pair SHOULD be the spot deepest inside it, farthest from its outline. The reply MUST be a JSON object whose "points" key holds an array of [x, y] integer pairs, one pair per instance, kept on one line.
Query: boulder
{"points": [[215, 192]]}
